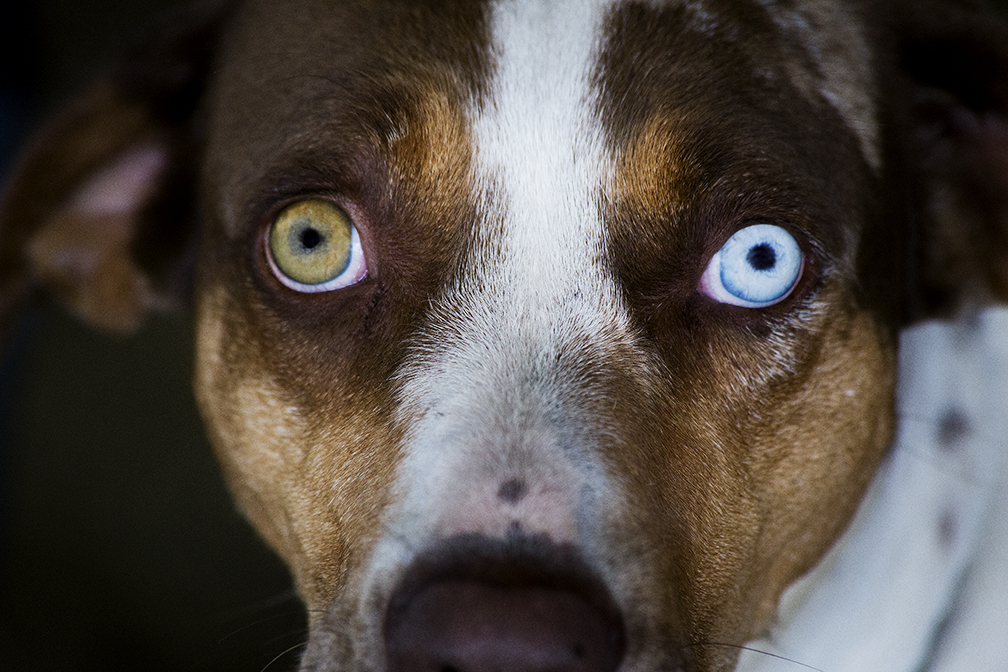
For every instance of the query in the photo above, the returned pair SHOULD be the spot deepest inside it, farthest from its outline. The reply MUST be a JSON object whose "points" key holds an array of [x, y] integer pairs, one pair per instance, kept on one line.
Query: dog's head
{"points": [[535, 332]]}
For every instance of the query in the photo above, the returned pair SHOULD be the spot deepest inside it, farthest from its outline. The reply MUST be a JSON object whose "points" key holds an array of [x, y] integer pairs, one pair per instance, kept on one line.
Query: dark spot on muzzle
{"points": [[512, 491], [523, 605], [953, 429]]}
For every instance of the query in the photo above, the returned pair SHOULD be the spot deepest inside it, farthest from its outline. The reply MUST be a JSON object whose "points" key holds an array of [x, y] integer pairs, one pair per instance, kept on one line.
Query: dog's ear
{"points": [[952, 57], [100, 208]]}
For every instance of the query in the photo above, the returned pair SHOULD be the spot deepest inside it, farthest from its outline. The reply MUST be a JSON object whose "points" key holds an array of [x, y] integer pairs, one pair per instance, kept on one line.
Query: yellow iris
{"points": [[311, 241]]}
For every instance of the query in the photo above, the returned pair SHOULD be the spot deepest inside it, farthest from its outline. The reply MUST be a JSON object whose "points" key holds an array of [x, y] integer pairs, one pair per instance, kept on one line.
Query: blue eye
{"points": [[757, 267]]}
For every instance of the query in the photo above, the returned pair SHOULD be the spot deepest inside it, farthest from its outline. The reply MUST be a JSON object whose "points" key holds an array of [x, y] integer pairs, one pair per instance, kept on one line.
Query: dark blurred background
{"points": [[119, 546]]}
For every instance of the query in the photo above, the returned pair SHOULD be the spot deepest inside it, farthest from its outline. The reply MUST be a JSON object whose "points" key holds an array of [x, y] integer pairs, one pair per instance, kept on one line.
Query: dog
{"points": [[554, 335]]}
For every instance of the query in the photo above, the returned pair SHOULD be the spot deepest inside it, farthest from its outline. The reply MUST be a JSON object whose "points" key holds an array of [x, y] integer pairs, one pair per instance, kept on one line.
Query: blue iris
{"points": [[757, 267]]}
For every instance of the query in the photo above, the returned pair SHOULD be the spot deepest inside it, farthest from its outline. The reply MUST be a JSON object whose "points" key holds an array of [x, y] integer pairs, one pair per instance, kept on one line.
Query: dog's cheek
{"points": [[690, 507], [825, 443], [299, 476], [255, 435], [743, 487]]}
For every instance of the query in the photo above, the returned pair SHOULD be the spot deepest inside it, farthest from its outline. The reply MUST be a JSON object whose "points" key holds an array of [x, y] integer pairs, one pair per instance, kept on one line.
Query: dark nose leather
{"points": [[474, 626], [521, 604]]}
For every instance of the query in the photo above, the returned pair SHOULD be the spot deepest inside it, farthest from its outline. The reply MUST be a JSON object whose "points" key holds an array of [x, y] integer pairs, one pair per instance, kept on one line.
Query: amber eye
{"points": [[314, 247]]}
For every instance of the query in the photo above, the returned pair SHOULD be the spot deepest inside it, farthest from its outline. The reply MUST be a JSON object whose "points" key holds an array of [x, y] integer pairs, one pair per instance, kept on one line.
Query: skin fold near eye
{"points": [[757, 267], [314, 247]]}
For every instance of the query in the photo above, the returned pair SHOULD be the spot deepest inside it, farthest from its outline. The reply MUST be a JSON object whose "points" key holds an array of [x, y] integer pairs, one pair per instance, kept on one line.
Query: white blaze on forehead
{"points": [[489, 395], [539, 149], [535, 274]]}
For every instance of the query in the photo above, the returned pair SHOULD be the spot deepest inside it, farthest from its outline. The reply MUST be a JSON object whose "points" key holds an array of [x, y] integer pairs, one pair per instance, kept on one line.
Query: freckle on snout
{"points": [[512, 491]]}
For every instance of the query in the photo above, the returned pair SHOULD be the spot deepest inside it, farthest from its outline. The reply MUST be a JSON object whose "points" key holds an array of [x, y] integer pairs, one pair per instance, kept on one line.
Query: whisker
{"points": [[741, 647], [254, 623], [266, 625], [283, 653], [284, 637], [264, 604]]}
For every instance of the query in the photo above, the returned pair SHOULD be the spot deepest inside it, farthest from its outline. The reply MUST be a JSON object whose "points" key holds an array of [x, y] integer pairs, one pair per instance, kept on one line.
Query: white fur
{"points": [[534, 284], [485, 395]]}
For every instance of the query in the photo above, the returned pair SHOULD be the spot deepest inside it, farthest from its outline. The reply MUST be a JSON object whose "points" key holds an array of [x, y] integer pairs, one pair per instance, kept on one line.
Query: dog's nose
{"points": [[470, 626], [506, 616]]}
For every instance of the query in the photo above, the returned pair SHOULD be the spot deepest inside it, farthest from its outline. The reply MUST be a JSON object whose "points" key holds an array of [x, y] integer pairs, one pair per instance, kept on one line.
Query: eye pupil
{"points": [[309, 238], [762, 257]]}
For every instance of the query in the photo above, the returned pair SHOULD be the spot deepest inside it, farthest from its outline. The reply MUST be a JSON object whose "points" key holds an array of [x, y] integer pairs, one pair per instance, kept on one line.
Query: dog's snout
{"points": [[474, 626], [484, 605]]}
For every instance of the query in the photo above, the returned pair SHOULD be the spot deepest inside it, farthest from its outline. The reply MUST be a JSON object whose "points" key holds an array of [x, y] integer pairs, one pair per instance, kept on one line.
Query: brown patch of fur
{"points": [[85, 260], [743, 460], [745, 414], [313, 482], [388, 141], [826, 438], [651, 175]]}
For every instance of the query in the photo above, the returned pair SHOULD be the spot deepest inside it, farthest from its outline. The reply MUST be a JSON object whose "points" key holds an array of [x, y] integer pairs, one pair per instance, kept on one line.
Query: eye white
{"points": [[755, 268]]}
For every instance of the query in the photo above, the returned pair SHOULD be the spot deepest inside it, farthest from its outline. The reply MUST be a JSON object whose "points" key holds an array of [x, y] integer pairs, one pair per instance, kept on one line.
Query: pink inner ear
{"points": [[124, 186], [82, 251]]}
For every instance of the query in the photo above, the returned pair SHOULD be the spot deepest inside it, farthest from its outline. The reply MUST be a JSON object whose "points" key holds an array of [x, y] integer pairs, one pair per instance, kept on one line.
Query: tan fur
{"points": [[651, 173], [308, 481], [763, 446], [803, 451]]}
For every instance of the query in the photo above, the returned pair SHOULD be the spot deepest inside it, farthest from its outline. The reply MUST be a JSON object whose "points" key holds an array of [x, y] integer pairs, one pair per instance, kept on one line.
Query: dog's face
{"points": [[532, 322], [532, 350]]}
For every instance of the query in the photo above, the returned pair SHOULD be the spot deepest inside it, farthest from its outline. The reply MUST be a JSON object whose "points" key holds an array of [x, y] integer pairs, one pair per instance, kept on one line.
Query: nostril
{"points": [[468, 625]]}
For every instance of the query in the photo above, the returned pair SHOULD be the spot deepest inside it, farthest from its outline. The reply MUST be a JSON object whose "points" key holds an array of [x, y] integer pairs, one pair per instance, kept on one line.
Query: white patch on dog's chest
{"points": [[917, 582]]}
